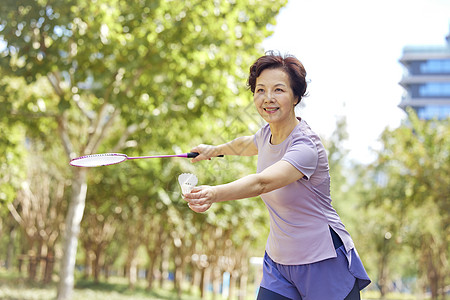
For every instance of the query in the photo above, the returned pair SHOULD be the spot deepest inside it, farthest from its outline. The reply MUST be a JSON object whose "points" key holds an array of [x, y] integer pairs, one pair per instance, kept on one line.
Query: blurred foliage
{"points": [[145, 77], [396, 208], [158, 77], [406, 194]]}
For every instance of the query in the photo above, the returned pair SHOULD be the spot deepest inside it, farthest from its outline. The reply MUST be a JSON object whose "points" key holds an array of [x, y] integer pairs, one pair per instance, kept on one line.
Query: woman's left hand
{"points": [[199, 208]]}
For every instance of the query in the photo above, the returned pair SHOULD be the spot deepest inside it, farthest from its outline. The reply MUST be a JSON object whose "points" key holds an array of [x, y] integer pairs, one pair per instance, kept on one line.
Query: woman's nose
{"points": [[269, 97]]}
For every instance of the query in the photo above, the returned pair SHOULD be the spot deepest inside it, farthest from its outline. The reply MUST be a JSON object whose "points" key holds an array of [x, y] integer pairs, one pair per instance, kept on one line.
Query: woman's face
{"points": [[273, 97]]}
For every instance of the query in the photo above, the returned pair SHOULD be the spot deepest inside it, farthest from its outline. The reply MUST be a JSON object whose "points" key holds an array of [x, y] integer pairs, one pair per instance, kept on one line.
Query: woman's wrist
{"points": [[218, 150], [214, 194]]}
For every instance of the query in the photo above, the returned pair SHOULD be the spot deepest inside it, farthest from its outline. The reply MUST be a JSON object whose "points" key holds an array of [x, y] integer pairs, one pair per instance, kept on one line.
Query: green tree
{"points": [[340, 170], [125, 66], [39, 208], [411, 193], [12, 145]]}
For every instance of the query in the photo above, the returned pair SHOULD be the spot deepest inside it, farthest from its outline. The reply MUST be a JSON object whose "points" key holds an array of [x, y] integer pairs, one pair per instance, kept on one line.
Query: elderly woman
{"points": [[309, 253]]}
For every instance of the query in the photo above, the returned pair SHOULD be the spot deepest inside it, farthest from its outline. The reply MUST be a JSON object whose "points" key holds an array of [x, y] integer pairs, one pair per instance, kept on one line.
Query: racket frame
{"points": [[73, 162]]}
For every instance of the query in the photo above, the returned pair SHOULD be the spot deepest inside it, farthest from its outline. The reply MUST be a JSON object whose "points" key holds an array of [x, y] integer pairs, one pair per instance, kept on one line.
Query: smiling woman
{"points": [[307, 238], [275, 102], [278, 85]]}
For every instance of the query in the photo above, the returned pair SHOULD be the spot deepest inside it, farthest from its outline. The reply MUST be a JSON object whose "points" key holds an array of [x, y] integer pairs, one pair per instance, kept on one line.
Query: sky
{"points": [[351, 51]]}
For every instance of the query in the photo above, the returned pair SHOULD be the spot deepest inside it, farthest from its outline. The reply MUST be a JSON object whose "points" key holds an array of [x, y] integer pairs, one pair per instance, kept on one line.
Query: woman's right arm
{"points": [[243, 146]]}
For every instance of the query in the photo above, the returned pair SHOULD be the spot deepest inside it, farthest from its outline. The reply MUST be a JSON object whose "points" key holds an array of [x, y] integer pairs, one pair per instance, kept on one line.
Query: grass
{"points": [[15, 287], [117, 289], [375, 295]]}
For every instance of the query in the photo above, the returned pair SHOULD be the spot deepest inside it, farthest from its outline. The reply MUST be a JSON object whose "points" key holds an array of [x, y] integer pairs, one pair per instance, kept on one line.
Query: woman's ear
{"points": [[297, 101]]}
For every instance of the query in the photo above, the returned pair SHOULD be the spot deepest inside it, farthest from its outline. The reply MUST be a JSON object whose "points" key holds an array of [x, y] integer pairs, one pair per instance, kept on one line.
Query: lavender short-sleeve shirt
{"points": [[301, 212]]}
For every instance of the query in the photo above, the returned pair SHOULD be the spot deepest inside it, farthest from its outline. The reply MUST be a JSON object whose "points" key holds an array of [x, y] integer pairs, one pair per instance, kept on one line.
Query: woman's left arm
{"points": [[274, 177]]}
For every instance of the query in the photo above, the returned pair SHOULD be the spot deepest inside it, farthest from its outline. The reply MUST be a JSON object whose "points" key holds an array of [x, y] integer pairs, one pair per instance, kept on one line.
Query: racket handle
{"points": [[195, 154]]}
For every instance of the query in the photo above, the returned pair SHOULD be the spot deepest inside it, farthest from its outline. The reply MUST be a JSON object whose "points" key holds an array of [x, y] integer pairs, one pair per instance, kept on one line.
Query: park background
{"points": [[159, 77]]}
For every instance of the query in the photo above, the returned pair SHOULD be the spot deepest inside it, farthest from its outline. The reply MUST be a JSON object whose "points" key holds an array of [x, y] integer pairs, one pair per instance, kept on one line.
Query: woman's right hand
{"points": [[243, 146], [206, 152]]}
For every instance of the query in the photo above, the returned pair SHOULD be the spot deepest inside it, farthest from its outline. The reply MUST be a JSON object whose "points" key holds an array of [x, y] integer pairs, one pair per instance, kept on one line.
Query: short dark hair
{"points": [[288, 63]]}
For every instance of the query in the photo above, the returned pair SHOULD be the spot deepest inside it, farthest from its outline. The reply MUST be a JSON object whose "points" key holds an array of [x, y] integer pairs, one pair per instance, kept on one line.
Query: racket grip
{"points": [[195, 154]]}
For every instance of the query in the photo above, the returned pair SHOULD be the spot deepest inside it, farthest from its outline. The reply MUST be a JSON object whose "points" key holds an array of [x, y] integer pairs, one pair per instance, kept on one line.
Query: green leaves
{"points": [[409, 191], [139, 77]]}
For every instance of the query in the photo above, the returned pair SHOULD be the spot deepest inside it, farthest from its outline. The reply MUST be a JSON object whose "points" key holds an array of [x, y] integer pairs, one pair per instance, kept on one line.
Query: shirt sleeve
{"points": [[302, 154], [257, 138]]}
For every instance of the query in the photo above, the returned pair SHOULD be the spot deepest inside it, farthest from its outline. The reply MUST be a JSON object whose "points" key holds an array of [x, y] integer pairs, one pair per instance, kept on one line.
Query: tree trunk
{"points": [[243, 282], [152, 256], [206, 279], [383, 276], [164, 265], [202, 283], [196, 278], [72, 230], [97, 263], [49, 264], [216, 280], [243, 285], [132, 273], [10, 247], [232, 289], [87, 260], [106, 268], [178, 271], [42, 259], [434, 263], [150, 269], [32, 265], [432, 273]]}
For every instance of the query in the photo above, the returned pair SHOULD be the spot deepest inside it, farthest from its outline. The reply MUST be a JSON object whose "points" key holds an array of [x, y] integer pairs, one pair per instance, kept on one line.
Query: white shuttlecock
{"points": [[187, 182]]}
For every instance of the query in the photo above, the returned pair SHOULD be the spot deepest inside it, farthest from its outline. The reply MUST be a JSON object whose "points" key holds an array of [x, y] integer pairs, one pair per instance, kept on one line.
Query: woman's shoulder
{"points": [[263, 131], [305, 131]]}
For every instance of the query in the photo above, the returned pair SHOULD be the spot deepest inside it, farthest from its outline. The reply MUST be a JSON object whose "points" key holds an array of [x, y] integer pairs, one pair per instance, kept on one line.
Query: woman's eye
{"points": [[259, 90]]}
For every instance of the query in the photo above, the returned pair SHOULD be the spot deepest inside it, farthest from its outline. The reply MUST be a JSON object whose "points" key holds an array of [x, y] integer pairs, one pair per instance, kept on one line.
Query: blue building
{"points": [[427, 80]]}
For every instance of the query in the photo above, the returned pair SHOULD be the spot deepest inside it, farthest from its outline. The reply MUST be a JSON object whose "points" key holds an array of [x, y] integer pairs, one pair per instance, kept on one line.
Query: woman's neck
{"points": [[280, 131]]}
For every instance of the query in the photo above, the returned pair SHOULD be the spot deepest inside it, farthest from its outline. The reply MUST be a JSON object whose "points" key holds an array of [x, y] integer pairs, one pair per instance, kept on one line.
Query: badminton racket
{"points": [[106, 159]]}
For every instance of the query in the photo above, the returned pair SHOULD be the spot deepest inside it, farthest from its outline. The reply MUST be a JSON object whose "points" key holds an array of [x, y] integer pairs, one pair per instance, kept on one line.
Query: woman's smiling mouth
{"points": [[271, 109]]}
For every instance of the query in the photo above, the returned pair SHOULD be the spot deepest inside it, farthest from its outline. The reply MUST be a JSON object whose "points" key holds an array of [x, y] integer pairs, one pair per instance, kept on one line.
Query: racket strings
{"points": [[96, 160]]}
